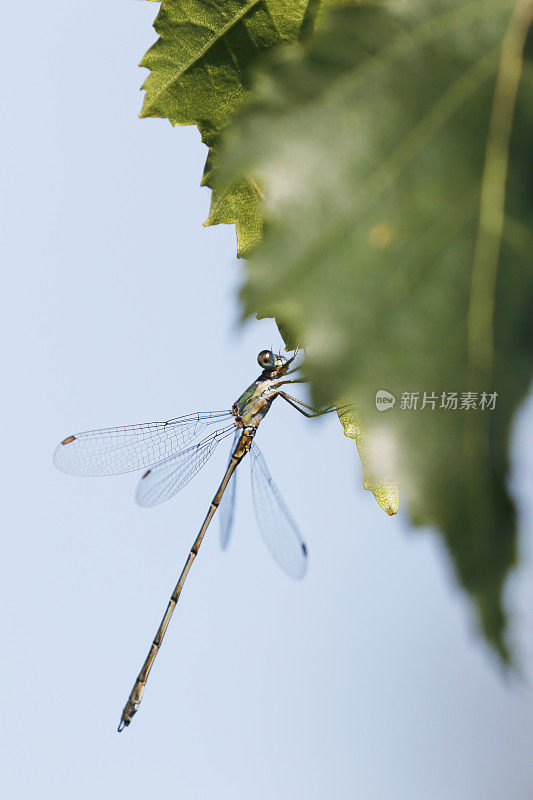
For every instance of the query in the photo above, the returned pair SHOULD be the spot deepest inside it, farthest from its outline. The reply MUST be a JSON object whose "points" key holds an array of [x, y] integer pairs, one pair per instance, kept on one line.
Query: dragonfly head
{"points": [[272, 363]]}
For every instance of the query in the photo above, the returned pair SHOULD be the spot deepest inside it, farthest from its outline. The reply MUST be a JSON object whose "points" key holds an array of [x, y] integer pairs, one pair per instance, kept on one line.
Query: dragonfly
{"points": [[171, 453]]}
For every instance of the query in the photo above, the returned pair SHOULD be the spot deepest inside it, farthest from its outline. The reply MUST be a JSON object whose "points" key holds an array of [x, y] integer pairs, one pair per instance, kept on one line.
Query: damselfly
{"points": [[165, 452]]}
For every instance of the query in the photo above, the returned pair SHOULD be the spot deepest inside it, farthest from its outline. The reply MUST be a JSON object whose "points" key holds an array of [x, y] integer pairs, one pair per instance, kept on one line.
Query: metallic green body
{"points": [[255, 402]]}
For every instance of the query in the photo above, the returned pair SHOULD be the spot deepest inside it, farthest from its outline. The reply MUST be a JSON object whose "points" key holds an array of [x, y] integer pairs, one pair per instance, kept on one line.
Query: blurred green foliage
{"points": [[392, 232]]}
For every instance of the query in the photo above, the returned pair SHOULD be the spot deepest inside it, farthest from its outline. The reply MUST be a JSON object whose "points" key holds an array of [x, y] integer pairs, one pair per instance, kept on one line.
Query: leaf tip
{"points": [[386, 494]]}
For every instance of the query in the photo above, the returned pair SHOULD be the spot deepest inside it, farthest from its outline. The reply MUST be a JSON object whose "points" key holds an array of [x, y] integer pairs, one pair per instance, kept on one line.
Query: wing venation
{"points": [[278, 529], [226, 508], [164, 480], [112, 451]]}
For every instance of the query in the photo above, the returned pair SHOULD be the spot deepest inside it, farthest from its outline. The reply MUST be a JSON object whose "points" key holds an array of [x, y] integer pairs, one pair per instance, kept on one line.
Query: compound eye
{"points": [[266, 359]]}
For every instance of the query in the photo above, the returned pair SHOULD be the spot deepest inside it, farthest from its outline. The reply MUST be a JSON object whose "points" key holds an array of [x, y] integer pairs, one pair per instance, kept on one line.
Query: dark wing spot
{"points": [[68, 440], [304, 549], [148, 471]]}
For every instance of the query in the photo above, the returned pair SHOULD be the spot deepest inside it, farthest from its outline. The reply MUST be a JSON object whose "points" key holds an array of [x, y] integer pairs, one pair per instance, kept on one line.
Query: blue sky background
{"points": [[367, 679]]}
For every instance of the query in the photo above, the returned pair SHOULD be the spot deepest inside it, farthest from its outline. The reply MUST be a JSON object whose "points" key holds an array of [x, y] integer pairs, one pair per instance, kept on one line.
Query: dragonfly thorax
{"points": [[254, 403]]}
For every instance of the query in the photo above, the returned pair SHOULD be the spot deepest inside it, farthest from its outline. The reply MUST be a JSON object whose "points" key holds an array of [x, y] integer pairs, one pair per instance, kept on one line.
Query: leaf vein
{"points": [[198, 55]]}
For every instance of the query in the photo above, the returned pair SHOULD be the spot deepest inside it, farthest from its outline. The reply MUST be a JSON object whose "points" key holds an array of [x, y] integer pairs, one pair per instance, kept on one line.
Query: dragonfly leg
{"points": [[294, 369], [294, 400], [291, 359]]}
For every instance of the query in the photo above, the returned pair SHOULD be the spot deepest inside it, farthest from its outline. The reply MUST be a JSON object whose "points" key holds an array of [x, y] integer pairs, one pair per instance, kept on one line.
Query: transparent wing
{"points": [[112, 451], [277, 527], [227, 504], [165, 479]]}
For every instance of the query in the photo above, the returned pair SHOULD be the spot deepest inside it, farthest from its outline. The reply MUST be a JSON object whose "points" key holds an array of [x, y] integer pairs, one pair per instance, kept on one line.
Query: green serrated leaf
{"points": [[200, 74], [378, 462], [385, 150]]}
